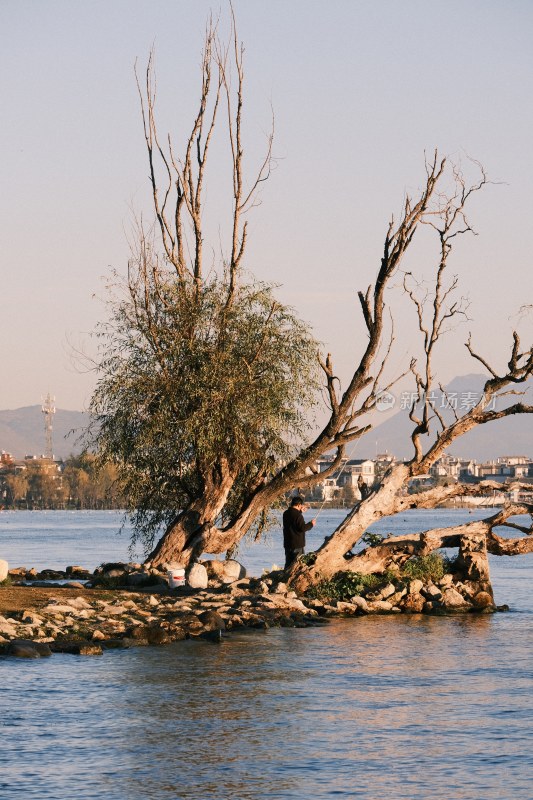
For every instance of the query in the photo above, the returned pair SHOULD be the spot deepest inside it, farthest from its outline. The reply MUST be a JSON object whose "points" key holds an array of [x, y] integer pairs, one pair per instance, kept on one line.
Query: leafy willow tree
{"points": [[206, 380], [200, 400]]}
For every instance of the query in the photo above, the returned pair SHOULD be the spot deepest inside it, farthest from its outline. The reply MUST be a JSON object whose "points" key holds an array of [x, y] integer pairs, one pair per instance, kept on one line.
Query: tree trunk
{"points": [[331, 556], [189, 534]]}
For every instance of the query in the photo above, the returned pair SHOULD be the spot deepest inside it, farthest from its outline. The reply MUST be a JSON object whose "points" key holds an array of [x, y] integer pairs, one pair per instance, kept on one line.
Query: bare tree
{"points": [[222, 496], [435, 310]]}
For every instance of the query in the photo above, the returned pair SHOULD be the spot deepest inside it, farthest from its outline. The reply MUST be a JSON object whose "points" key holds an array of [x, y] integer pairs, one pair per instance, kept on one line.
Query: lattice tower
{"points": [[48, 408]]}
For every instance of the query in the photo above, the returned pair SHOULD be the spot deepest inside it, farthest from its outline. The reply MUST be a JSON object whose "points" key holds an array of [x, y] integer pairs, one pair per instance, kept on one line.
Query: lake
{"points": [[378, 708]]}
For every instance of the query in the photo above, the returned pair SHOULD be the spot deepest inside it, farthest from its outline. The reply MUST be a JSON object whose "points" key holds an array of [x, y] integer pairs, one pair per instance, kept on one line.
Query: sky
{"points": [[361, 91]]}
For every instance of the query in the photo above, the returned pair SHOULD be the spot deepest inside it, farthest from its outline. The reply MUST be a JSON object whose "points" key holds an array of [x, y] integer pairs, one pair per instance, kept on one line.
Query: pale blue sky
{"points": [[359, 89]]}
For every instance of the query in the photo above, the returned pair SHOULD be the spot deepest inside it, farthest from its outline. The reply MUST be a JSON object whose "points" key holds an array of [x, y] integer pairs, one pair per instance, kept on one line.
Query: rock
{"points": [[247, 583], [451, 598], [483, 600], [233, 571], [138, 633], [446, 580], [115, 573], [211, 620], [432, 592], [346, 608], [30, 617], [153, 601], [156, 635], [413, 602], [77, 647], [177, 633], [113, 569], [98, 635], [397, 596], [51, 575], [197, 577], [79, 602], [148, 634], [89, 650], [24, 648], [387, 591], [472, 560], [415, 586], [76, 571], [116, 644], [18, 572], [4, 570], [214, 567], [380, 605], [58, 608], [7, 629], [360, 603], [214, 636]]}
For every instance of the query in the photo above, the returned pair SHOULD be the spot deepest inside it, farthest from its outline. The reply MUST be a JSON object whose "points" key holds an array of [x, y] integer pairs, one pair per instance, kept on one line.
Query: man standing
{"points": [[294, 528]]}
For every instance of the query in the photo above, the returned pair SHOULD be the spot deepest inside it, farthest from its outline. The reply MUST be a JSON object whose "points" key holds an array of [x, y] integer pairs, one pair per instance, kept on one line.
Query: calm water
{"points": [[387, 708]]}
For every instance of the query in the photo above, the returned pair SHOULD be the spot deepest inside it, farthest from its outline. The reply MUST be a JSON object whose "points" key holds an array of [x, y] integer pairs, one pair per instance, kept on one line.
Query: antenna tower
{"points": [[48, 408]]}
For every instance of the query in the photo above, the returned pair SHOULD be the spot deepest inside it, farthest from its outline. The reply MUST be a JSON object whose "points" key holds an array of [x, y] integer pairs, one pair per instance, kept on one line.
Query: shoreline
{"points": [[39, 621]]}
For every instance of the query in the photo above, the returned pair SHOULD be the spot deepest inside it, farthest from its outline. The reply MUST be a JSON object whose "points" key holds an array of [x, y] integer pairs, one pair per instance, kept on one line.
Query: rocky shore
{"points": [[126, 605]]}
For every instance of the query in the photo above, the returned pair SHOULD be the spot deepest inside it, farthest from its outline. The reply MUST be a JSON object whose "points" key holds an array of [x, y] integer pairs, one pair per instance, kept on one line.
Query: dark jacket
{"points": [[294, 528]]}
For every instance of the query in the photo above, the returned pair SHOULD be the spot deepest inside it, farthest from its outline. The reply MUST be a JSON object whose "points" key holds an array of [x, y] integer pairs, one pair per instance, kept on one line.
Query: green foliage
{"points": [[372, 539], [345, 585], [427, 568], [192, 387], [7, 581]]}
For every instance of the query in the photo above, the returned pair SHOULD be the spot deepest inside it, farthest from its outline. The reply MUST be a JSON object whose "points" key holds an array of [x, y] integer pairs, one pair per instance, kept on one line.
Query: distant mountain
{"points": [[510, 436], [22, 431]]}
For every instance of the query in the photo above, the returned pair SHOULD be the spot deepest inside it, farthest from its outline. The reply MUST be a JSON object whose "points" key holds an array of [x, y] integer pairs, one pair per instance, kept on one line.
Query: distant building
{"points": [[6, 459], [351, 471], [342, 484]]}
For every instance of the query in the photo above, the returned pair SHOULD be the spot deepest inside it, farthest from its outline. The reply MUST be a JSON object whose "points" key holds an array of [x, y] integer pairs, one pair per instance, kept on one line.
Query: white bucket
{"points": [[176, 577]]}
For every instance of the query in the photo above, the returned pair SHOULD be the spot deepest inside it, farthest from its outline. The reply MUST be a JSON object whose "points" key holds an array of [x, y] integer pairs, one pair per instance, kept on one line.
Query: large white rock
{"points": [[233, 571], [359, 602], [454, 599], [197, 577], [4, 568], [380, 605]]}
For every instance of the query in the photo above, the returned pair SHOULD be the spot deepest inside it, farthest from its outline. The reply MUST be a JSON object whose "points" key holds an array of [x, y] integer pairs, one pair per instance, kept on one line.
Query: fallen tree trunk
{"points": [[473, 540]]}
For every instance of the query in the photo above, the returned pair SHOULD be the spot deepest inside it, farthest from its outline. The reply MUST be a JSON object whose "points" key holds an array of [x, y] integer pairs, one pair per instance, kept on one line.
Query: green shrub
{"points": [[345, 585], [7, 581], [427, 568]]}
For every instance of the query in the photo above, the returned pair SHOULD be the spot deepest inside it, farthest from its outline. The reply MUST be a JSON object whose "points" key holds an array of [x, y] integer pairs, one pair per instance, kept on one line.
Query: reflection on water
{"points": [[387, 707]]}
